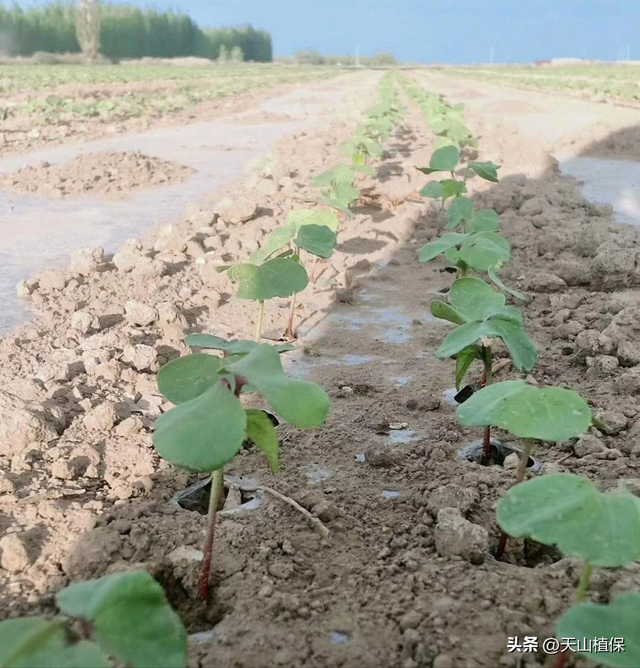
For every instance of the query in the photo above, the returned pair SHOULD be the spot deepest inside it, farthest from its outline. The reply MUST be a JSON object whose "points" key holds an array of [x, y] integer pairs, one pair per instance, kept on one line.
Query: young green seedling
{"points": [[479, 251], [603, 530], [338, 191], [125, 620], [530, 412], [444, 159], [260, 280], [209, 424], [305, 229], [482, 315]]}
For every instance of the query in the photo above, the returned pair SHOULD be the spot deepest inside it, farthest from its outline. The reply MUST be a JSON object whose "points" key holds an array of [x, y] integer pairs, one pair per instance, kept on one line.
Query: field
{"points": [[275, 403], [619, 83], [49, 103]]}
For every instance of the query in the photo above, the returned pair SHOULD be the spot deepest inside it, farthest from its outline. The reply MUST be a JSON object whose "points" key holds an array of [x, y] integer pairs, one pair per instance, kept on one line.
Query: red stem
{"points": [[486, 446], [561, 660], [217, 485]]}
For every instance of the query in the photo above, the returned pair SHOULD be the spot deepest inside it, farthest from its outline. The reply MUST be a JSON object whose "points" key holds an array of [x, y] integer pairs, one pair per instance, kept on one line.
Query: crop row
{"points": [[126, 617], [561, 510], [54, 109]]}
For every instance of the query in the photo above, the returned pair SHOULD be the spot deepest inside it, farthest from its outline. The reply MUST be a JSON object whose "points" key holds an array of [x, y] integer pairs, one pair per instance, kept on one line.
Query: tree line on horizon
{"points": [[126, 32]]}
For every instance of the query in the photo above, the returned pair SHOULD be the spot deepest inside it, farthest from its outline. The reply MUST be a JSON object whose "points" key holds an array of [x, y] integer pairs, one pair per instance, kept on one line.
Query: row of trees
{"points": [[313, 57], [125, 32]]}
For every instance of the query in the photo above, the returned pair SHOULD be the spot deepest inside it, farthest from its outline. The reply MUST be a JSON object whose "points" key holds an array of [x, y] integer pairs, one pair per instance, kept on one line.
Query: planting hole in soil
{"points": [[498, 453], [239, 496]]}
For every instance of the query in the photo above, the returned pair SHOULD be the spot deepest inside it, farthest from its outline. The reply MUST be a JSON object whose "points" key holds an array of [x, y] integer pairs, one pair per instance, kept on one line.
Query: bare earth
{"points": [[103, 173], [82, 492]]}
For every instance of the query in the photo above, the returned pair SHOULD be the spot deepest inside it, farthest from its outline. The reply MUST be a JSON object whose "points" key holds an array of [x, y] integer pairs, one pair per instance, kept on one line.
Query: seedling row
{"points": [[125, 619]]}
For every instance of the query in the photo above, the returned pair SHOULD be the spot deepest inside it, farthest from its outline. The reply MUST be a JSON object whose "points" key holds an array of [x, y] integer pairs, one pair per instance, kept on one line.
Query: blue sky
{"points": [[449, 31]]}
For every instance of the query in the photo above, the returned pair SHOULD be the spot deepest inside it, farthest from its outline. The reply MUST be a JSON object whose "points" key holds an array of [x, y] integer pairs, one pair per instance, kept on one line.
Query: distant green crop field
{"points": [[49, 94], [611, 81]]}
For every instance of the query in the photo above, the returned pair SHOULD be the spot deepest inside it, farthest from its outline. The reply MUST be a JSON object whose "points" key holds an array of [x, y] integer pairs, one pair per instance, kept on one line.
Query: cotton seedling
{"points": [[124, 620], [209, 424], [309, 230], [482, 316], [338, 191], [260, 280], [530, 412], [602, 530]]}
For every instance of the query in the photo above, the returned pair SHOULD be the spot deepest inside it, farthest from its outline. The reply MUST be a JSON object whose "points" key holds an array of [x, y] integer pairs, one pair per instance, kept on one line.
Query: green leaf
{"points": [[373, 148], [619, 619], [318, 240], [464, 360], [186, 378], [433, 189], [432, 249], [493, 275], [274, 242], [444, 159], [301, 217], [571, 513], [323, 180], [484, 220], [523, 352], [444, 311], [233, 347], [345, 193], [482, 250], [299, 402], [338, 206], [460, 211], [261, 431], [521, 349], [528, 411], [485, 170], [35, 642], [343, 174], [280, 277], [205, 433], [452, 188], [474, 299], [131, 617]]}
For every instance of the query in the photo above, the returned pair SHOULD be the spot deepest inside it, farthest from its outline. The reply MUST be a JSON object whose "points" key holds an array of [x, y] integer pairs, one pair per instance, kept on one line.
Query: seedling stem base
{"points": [[217, 484]]}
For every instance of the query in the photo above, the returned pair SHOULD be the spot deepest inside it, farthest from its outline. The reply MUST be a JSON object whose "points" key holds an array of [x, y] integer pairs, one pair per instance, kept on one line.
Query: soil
{"points": [[406, 577], [18, 134], [104, 173]]}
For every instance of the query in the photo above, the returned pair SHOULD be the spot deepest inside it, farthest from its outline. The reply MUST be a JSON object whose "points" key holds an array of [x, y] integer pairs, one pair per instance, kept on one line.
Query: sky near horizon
{"points": [[427, 31]]}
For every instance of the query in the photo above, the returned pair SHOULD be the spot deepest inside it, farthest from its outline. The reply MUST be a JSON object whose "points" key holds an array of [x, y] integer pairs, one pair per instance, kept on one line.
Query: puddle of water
{"points": [[301, 366], [606, 181], [389, 495], [51, 229], [402, 436], [339, 638]]}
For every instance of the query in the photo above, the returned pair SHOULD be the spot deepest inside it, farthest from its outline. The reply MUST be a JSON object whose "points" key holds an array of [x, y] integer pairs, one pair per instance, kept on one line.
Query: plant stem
{"points": [[522, 466], [487, 377], [217, 484], [522, 470], [583, 585], [290, 330], [259, 323], [579, 596]]}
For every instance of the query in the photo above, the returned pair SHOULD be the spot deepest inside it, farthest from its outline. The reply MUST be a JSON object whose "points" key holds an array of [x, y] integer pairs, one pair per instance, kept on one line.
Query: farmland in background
{"points": [[606, 81]]}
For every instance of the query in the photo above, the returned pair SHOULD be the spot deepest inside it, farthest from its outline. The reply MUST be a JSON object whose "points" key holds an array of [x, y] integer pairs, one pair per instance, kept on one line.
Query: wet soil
{"points": [[84, 494]]}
